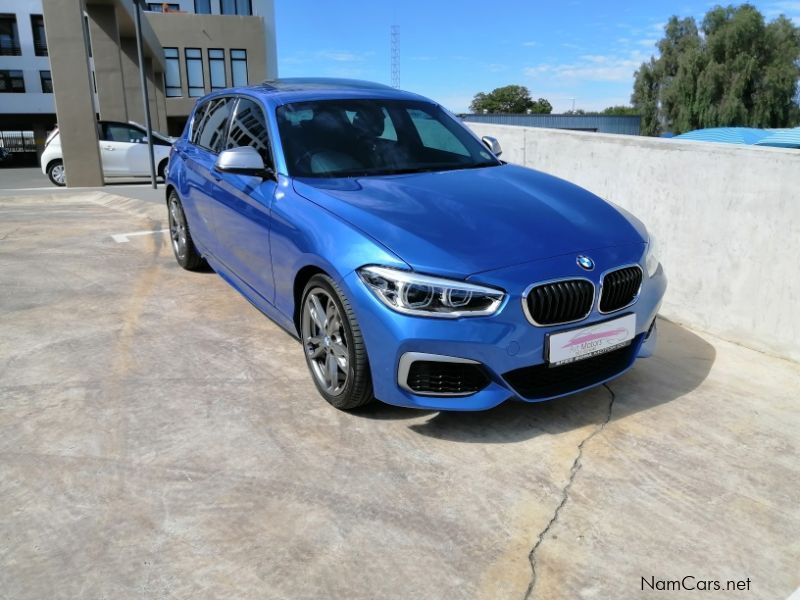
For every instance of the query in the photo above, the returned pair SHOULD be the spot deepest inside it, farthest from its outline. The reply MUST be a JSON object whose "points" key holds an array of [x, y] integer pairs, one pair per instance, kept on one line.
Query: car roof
{"points": [[299, 89]]}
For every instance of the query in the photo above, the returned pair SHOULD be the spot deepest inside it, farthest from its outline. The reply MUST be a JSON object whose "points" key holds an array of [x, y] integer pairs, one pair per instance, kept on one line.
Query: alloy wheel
{"points": [[324, 341]]}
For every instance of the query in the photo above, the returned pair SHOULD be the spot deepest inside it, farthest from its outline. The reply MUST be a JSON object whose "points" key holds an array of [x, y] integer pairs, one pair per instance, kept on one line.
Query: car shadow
{"points": [[681, 363]]}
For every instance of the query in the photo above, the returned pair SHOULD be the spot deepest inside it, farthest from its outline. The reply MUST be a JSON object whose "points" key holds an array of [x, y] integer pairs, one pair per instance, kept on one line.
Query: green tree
{"points": [[735, 69], [620, 110], [541, 106], [509, 99]]}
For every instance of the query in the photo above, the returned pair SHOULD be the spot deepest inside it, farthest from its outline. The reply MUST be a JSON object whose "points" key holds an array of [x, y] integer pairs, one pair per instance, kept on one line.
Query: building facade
{"points": [[192, 47]]}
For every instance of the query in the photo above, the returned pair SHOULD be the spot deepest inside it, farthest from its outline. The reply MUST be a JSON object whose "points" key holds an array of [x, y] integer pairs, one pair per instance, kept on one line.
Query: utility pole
{"points": [[394, 37], [143, 83]]}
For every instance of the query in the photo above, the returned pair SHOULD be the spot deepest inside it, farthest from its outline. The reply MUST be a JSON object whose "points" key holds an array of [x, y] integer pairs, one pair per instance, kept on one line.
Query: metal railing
{"points": [[18, 141]]}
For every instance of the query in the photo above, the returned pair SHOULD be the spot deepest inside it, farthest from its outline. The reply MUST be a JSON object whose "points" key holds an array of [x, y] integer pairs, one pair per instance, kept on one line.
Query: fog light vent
{"points": [[437, 375]]}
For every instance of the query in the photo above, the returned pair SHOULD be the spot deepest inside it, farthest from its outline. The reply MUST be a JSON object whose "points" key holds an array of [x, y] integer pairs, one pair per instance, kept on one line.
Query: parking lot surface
{"points": [[161, 438]]}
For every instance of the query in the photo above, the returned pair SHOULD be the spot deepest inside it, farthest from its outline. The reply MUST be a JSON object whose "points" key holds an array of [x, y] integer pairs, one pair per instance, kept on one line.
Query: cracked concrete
{"points": [[161, 438], [573, 472]]}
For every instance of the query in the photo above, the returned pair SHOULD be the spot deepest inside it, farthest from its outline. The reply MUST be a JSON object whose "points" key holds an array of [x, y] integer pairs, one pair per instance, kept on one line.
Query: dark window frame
{"points": [[11, 48], [212, 61], [167, 86], [39, 45], [9, 76], [242, 60], [247, 12], [43, 79], [191, 60], [171, 7], [198, 12]]}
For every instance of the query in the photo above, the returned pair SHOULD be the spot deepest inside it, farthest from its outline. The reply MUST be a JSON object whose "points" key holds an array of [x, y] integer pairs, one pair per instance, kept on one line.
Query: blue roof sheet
{"points": [[781, 138], [725, 135]]}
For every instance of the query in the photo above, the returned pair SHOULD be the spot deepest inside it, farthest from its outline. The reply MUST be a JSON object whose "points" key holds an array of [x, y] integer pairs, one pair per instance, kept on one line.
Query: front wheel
{"points": [[56, 173], [333, 345]]}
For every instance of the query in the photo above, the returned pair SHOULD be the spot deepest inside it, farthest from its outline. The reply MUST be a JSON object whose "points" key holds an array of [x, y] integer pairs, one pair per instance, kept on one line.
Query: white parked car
{"points": [[123, 150]]}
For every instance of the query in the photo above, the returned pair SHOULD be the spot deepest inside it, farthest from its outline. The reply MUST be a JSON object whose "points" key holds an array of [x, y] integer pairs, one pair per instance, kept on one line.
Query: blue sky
{"points": [[449, 50]]}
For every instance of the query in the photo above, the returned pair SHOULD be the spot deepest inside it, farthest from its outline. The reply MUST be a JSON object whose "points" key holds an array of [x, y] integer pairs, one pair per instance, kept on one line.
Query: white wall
{"points": [[727, 219]]}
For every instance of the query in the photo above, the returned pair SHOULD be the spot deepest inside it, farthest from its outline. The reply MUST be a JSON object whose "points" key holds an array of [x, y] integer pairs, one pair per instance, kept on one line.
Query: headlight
{"points": [[651, 258], [427, 296]]}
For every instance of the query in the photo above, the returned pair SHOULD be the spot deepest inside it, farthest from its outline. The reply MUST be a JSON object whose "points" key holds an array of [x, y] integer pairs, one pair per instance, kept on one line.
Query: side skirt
{"points": [[252, 296]]}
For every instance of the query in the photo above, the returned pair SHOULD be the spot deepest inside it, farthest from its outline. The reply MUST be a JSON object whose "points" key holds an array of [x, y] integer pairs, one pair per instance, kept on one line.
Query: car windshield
{"points": [[355, 138]]}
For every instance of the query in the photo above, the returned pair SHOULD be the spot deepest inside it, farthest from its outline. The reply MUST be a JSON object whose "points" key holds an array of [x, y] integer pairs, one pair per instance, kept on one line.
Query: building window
{"points": [[162, 7], [47, 82], [39, 39], [9, 36], [194, 72], [87, 37], [172, 73], [202, 7], [216, 68], [236, 7], [238, 67], [11, 82]]}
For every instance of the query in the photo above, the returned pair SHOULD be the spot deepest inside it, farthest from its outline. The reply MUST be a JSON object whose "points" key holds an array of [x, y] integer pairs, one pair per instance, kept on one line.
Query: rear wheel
{"points": [[56, 173], [162, 169], [333, 345], [182, 245]]}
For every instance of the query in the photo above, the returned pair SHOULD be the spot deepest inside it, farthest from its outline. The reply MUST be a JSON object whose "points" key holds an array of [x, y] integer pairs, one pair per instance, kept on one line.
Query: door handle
{"points": [[108, 147]]}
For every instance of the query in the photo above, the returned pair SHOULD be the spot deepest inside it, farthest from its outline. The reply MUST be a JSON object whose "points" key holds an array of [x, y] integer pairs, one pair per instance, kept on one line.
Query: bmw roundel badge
{"points": [[584, 262]]}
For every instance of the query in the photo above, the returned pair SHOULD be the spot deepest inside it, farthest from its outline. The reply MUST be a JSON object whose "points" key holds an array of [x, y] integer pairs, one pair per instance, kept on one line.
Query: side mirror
{"points": [[492, 144], [244, 160]]}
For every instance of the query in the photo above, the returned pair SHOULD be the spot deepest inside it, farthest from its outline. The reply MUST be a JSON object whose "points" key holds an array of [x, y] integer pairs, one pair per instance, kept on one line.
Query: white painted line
{"points": [[122, 238], [795, 595], [33, 189]]}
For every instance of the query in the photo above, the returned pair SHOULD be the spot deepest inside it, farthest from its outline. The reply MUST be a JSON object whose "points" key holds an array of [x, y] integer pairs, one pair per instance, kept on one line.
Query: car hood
{"points": [[466, 221]]}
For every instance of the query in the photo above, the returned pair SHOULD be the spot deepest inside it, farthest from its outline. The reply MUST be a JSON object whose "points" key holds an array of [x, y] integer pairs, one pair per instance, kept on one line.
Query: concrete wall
{"points": [[211, 31], [727, 220]]}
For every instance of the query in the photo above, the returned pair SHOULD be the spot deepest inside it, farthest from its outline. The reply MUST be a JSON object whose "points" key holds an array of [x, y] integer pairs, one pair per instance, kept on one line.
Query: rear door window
{"points": [[213, 126]]}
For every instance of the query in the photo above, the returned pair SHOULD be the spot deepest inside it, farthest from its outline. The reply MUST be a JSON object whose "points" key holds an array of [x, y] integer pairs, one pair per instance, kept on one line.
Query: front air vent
{"points": [[434, 378], [620, 288], [559, 302]]}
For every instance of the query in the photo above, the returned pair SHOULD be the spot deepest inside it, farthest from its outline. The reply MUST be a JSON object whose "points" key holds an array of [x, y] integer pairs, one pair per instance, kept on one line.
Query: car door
{"points": [[208, 135], [242, 217], [123, 150]]}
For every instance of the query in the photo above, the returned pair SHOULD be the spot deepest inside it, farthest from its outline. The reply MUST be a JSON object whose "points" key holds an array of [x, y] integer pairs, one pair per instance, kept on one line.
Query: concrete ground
{"points": [[161, 438], [30, 181]]}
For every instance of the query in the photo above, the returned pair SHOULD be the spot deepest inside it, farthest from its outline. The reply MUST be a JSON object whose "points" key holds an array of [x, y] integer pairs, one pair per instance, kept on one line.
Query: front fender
{"points": [[305, 234]]}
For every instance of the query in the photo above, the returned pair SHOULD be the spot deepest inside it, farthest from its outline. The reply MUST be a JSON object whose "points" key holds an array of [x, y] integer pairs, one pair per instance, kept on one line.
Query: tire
{"points": [[56, 173], [162, 169], [182, 244], [323, 338]]}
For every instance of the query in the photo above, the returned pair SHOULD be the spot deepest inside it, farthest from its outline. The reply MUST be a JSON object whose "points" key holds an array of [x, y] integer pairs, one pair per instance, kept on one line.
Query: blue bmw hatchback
{"points": [[413, 264]]}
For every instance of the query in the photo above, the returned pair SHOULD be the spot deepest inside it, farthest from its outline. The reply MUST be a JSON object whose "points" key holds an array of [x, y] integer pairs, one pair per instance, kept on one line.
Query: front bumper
{"points": [[503, 342]]}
